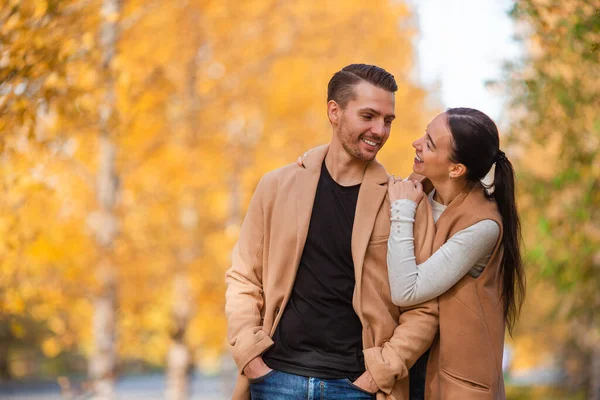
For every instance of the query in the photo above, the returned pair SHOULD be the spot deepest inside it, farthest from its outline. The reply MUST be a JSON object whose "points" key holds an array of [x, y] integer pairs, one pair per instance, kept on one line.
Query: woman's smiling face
{"points": [[433, 150]]}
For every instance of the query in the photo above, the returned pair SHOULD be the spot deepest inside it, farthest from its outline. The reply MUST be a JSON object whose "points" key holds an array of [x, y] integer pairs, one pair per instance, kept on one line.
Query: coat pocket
{"points": [[466, 349], [465, 381]]}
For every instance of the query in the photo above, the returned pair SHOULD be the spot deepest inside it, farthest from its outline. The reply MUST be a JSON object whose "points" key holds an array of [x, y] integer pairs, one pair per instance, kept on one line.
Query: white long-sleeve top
{"points": [[466, 252]]}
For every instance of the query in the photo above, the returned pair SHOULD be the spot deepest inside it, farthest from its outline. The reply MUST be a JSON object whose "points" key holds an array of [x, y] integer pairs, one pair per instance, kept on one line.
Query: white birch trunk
{"points": [[179, 358], [103, 362], [104, 358]]}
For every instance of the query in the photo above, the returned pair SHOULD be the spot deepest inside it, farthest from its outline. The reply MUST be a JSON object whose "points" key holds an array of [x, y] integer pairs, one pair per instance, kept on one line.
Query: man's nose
{"points": [[378, 128]]}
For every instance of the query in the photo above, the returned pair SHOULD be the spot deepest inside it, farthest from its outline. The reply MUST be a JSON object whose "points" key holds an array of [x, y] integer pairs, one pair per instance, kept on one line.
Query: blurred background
{"points": [[133, 133]]}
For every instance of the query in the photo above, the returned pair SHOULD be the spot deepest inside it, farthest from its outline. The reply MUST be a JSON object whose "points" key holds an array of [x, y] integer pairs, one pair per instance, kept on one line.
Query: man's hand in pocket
{"points": [[256, 368], [366, 383]]}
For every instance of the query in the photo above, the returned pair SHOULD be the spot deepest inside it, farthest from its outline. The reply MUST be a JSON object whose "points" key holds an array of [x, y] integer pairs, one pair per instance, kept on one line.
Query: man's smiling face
{"points": [[364, 124]]}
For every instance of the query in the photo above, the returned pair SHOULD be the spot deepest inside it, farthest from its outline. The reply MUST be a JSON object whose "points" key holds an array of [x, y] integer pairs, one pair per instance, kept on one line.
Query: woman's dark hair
{"points": [[341, 85], [476, 146]]}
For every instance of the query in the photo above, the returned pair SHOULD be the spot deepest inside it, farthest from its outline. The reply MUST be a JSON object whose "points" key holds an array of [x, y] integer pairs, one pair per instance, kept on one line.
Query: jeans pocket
{"points": [[353, 386], [261, 378]]}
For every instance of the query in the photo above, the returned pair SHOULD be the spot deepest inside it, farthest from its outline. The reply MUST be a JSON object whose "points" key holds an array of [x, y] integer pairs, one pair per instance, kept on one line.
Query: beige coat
{"points": [[267, 255], [466, 358]]}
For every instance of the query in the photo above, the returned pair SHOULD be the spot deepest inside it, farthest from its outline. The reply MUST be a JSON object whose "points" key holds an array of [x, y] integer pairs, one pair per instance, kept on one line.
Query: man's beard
{"points": [[354, 148], [356, 153]]}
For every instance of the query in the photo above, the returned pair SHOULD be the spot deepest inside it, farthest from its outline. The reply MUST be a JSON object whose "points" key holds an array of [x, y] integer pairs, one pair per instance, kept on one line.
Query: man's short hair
{"points": [[341, 85]]}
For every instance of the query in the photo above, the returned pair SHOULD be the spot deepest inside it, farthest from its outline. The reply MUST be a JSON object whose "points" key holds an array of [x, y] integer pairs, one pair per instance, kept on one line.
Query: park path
{"points": [[146, 387]]}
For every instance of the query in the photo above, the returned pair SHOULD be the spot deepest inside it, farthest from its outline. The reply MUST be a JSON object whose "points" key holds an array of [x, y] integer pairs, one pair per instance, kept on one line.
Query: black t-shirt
{"points": [[319, 334]]}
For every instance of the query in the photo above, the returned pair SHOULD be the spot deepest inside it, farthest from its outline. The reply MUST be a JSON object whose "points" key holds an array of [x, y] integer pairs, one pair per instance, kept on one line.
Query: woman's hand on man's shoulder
{"points": [[404, 189]]}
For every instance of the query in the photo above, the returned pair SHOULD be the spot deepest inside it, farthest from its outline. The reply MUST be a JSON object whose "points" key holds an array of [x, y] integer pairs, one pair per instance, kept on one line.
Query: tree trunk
{"points": [[103, 362], [4, 347], [104, 359], [179, 357], [595, 373]]}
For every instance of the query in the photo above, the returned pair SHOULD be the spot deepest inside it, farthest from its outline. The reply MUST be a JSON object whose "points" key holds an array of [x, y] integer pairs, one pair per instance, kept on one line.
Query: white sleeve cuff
{"points": [[403, 210]]}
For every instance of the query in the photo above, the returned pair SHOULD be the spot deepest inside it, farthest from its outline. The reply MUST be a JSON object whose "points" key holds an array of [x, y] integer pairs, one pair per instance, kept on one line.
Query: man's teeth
{"points": [[370, 142]]}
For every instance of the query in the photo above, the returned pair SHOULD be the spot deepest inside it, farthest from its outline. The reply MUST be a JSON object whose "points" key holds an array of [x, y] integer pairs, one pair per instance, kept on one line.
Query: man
{"points": [[308, 299]]}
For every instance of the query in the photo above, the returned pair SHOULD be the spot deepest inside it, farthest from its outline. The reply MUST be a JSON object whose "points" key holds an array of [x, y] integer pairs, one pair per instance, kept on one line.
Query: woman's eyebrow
{"points": [[431, 140]]}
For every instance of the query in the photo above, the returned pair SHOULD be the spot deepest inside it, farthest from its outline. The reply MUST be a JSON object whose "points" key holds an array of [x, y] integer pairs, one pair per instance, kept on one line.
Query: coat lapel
{"points": [[372, 193], [307, 179], [424, 227]]}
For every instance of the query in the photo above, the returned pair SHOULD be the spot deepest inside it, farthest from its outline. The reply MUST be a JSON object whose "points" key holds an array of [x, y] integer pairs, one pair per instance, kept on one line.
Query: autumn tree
{"points": [[556, 136], [200, 99], [44, 48]]}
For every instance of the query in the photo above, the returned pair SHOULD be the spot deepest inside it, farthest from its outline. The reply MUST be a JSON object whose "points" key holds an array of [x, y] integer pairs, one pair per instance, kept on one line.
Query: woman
{"points": [[475, 267]]}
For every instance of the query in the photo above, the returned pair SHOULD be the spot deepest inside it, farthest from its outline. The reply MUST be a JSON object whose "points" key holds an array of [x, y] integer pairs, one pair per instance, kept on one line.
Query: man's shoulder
{"points": [[279, 175]]}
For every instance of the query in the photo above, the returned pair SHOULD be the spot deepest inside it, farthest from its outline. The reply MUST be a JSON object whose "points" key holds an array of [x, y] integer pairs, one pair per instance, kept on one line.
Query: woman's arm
{"points": [[411, 283]]}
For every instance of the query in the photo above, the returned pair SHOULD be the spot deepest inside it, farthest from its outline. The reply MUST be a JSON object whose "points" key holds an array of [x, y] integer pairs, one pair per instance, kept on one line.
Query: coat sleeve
{"points": [[413, 336], [244, 295]]}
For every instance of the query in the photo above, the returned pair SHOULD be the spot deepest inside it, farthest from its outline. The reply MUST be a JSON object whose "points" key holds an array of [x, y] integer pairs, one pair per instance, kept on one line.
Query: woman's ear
{"points": [[457, 170]]}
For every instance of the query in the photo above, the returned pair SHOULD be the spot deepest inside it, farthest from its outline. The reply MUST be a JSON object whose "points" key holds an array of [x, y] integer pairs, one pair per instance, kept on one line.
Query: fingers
{"points": [[300, 160], [419, 191], [418, 186], [393, 179]]}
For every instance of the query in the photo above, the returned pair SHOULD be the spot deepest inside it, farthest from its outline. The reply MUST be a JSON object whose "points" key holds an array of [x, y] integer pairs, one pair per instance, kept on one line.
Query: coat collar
{"points": [[313, 160], [305, 189], [373, 191]]}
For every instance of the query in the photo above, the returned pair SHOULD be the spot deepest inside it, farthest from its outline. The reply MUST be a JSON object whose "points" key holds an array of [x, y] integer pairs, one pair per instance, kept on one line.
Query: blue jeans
{"points": [[277, 385]]}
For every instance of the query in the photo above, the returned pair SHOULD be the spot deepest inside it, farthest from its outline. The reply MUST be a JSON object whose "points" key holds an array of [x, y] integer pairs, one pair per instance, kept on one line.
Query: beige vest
{"points": [[466, 358]]}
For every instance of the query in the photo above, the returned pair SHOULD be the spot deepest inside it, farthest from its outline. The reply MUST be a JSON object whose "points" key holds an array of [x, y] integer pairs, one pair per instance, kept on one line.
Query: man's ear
{"points": [[333, 112], [457, 170]]}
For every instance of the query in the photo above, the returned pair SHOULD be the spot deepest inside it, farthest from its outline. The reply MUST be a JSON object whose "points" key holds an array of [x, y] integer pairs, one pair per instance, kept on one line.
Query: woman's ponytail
{"points": [[476, 145], [511, 265]]}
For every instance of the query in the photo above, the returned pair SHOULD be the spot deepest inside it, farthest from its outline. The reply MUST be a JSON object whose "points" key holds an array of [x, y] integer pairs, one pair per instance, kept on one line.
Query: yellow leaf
{"points": [[12, 22], [14, 304], [88, 40], [51, 347], [17, 330], [57, 325], [52, 80], [41, 6]]}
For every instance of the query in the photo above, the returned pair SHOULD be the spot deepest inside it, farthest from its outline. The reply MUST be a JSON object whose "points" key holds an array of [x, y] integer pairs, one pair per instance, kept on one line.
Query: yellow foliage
{"points": [[51, 347], [209, 96], [57, 325], [17, 329], [13, 302]]}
